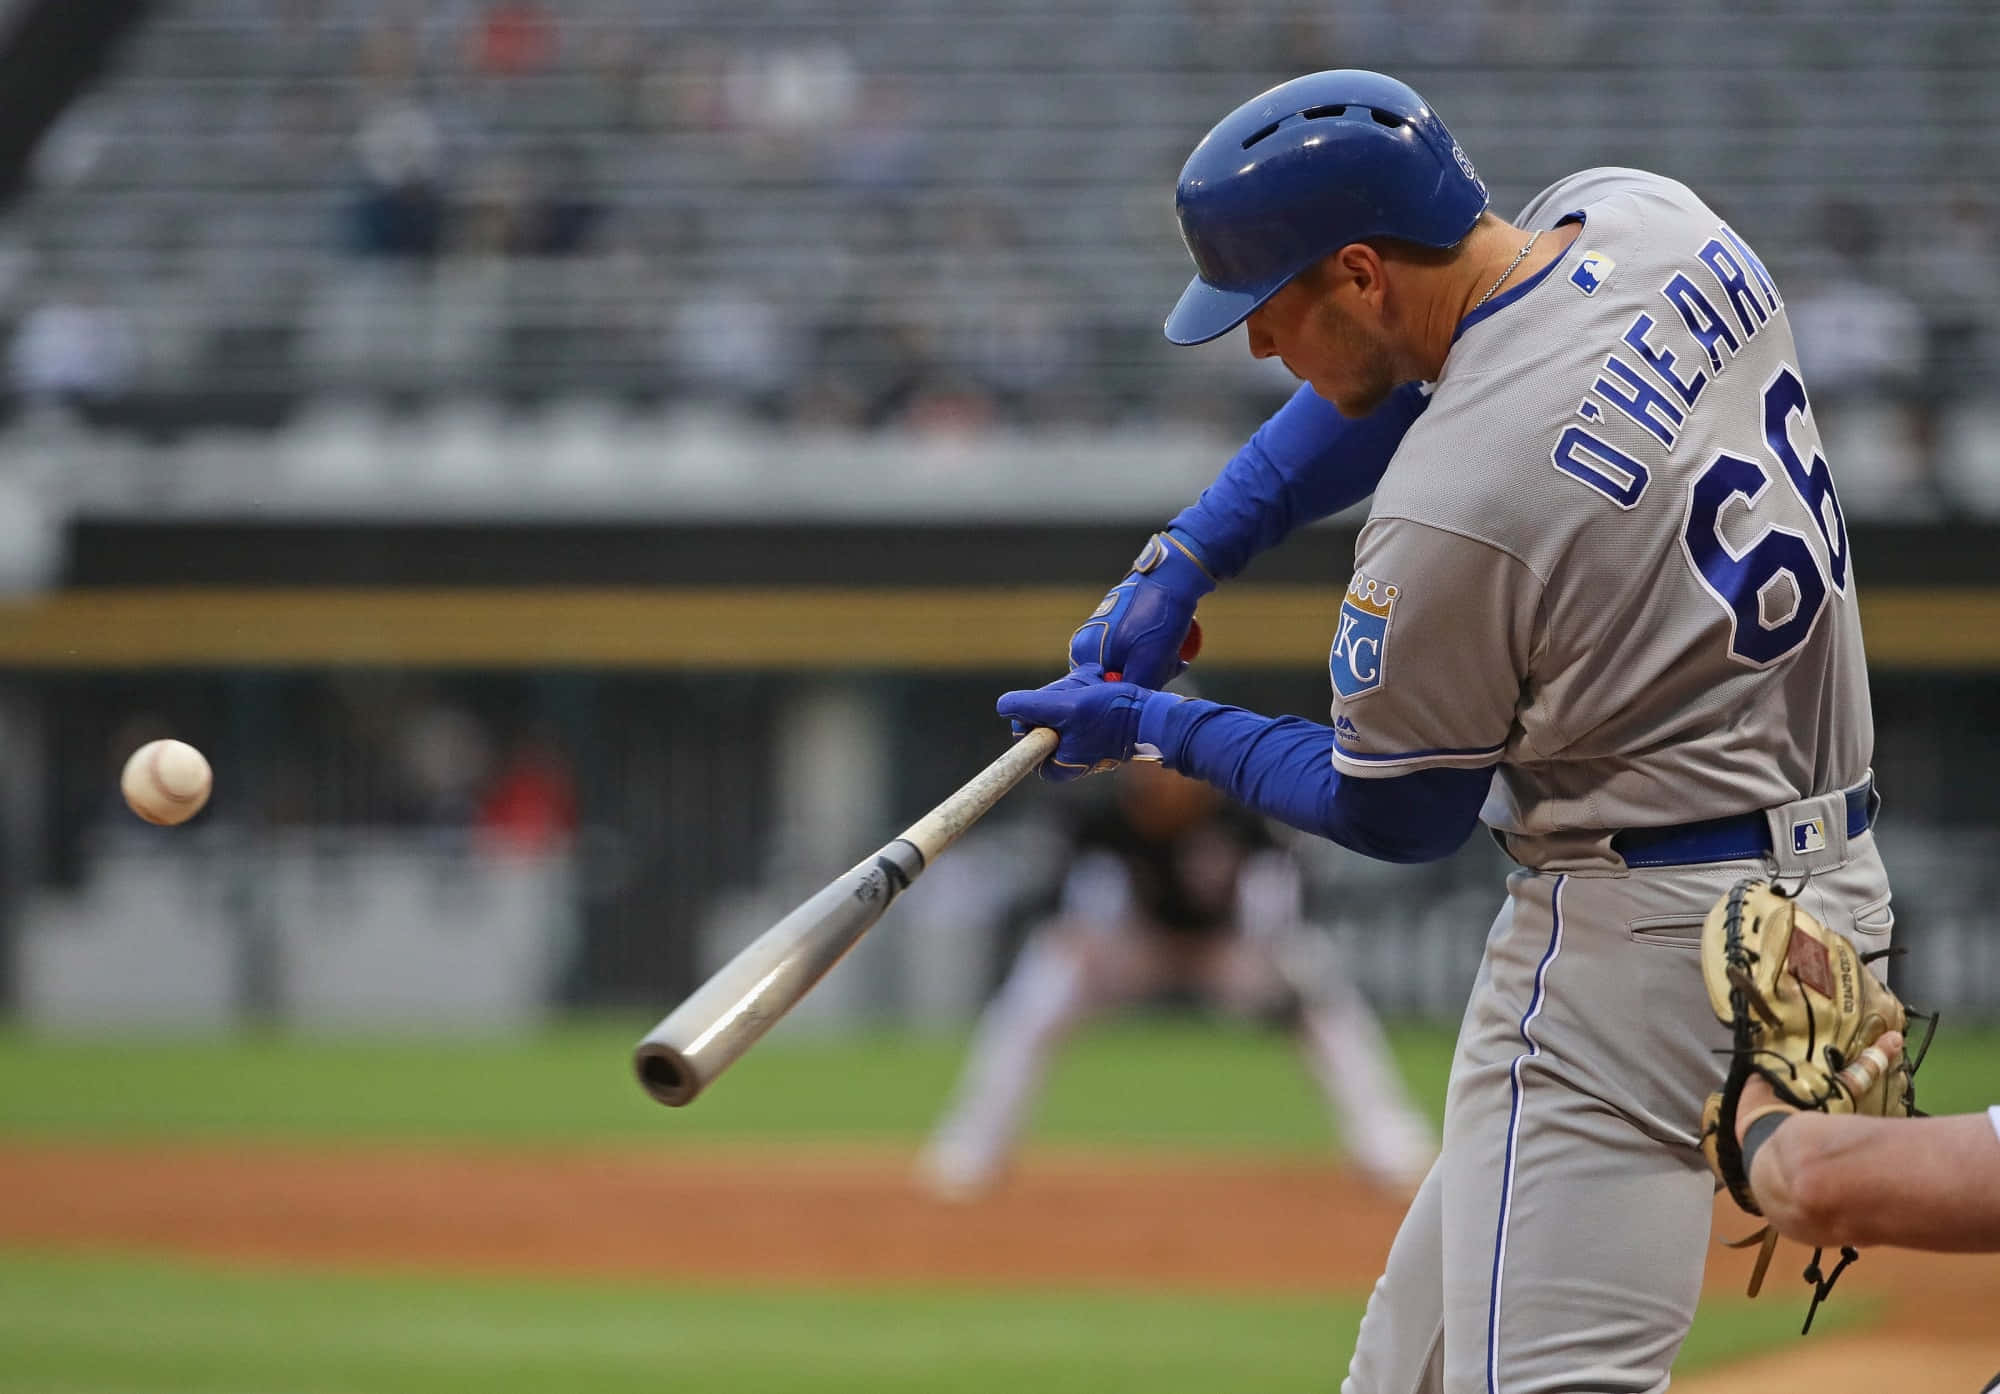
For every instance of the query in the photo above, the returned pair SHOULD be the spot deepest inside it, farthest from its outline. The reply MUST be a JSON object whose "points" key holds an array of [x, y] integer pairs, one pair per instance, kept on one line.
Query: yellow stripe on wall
{"points": [[739, 627]]}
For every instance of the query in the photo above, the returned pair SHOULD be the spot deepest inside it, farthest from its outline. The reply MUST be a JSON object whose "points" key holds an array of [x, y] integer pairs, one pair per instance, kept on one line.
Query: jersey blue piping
{"points": [[1347, 754], [1534, 1049], [1506, 298]]}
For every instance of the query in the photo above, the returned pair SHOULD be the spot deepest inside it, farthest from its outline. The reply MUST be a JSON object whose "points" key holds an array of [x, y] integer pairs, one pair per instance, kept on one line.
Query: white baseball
{"points": [[166, 781]]}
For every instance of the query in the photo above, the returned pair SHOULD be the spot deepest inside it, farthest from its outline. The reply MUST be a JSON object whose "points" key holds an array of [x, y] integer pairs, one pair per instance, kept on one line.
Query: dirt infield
{"points": [[840, 1216], [819, 1217]]}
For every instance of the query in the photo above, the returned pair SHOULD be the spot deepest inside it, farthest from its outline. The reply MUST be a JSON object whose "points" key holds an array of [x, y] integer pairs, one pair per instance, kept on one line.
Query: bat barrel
{"points": [[730, 1012]]}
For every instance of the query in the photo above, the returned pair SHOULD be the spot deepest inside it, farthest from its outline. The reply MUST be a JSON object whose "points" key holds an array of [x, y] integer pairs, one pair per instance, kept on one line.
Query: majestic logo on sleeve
{"points": [[1593, 271], [1360, 647]]}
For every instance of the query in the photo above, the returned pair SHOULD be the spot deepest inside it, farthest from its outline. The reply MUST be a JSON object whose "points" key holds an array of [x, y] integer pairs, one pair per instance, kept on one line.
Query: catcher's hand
{"points": [[1802, 1007], [1806, 1016]]}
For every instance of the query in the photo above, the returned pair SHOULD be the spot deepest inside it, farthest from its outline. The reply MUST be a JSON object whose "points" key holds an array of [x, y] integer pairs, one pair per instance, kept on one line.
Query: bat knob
{"points": [[1191, 646], [666, 1076]]}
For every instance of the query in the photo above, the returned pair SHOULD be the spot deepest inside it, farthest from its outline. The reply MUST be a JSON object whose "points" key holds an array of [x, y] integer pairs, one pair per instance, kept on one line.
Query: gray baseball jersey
{"points": [[1608, 559], [1609, 555]]}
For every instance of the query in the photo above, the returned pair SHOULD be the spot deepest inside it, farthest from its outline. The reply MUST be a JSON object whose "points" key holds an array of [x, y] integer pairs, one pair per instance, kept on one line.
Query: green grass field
{"points": [[94, 1325], [112, 1324], [1167, 1082], [1142, 1082]]}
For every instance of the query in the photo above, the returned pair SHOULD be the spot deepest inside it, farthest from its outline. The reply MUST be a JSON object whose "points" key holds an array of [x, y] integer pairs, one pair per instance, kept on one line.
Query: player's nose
{"points": [[1262, 345]]}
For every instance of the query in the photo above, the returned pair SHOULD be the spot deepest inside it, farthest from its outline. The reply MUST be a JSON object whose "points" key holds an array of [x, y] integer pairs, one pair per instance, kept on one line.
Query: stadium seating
{"points": [[860, 213]]}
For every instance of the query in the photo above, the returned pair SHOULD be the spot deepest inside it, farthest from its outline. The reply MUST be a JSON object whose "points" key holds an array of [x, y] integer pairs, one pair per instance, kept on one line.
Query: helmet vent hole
{"points": [[1313, 113], [1258, 135], [1385, 118]]}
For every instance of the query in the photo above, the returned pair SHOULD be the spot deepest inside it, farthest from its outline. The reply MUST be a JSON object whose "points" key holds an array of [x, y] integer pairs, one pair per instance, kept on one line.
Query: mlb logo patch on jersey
{"points": [[1360, 645], [1593, 271], [1809, 835]]}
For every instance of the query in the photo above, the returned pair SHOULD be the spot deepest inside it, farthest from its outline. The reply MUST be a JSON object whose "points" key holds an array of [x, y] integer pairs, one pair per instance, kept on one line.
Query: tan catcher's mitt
{"points": [[1804, 1010]]}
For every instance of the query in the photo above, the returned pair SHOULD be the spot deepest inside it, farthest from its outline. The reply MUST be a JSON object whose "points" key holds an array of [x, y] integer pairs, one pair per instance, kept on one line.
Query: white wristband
{"points": [[1993, 1116]]}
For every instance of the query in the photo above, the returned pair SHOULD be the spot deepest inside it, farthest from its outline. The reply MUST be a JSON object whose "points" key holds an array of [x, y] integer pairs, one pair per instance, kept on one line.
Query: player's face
{"points": [[1305, 326]]}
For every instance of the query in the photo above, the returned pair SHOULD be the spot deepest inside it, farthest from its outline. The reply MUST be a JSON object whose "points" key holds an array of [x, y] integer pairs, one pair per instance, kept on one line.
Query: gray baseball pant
{"points": [[1558, 1244]]}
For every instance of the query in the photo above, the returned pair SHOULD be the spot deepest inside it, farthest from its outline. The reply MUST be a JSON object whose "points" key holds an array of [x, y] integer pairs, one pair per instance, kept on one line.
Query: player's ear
{"points": [[1357, 267]]}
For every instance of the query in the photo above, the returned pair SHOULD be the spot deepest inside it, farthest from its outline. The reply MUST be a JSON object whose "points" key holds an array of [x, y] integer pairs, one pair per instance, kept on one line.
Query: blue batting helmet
{"points": [[1303, 170]]}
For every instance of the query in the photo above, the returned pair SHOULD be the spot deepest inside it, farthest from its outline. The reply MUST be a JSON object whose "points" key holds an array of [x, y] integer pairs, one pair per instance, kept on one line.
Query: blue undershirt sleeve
{"points": [[1283, 768], [1306, 463]]}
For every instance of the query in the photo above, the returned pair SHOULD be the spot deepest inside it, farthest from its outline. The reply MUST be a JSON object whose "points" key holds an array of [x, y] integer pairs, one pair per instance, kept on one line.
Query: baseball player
{"points": [[1603, 603], [1826, 1179], [1172, 890]]}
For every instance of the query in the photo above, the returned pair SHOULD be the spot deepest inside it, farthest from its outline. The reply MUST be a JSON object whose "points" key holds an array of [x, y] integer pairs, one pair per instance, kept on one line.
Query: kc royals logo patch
{"points": [[1360, 646], [1593, 271]]}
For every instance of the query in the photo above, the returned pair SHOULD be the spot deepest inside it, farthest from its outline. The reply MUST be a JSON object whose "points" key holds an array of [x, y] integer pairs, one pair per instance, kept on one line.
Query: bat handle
{"points": [[943, 825]]}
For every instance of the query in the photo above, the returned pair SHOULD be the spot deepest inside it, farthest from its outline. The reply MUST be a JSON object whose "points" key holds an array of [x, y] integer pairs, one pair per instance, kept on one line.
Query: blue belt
{"points": [[1738, 838]]}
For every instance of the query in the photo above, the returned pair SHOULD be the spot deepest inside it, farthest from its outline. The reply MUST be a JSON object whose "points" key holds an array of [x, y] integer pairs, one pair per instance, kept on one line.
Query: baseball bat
{"points": [[730, 1012]]}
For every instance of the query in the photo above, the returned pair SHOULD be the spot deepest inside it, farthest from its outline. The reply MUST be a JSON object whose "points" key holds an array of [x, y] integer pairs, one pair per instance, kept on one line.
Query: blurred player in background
{"points": [[1171, 890]]}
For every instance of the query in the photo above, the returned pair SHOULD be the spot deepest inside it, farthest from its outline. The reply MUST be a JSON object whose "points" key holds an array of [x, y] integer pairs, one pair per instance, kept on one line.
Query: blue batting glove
{"points": [[1075, 678], [1098, 722], [1138, 631]]}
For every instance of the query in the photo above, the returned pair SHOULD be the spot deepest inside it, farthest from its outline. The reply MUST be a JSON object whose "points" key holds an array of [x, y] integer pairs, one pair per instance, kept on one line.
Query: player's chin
{"points": [[1352, 402]]}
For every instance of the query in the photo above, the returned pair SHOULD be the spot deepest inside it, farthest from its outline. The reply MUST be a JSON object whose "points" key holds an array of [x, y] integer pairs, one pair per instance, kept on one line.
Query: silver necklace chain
{"points": [[1519, 257]]}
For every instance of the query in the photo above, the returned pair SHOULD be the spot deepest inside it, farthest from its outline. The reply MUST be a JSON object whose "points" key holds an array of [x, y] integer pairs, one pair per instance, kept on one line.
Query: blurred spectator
{"points": [[1016, 340], [539, 207], [734, 343], [399, 210], [882, 151], [946, 408], [877, 365], [514, 37], [1000, 321], [562, 215], [793, 90], [1855, 334], [75, 348], [791, 104], [530, 806], [685, 86], [443, 757], [1959, 277], [1862, 350]]}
